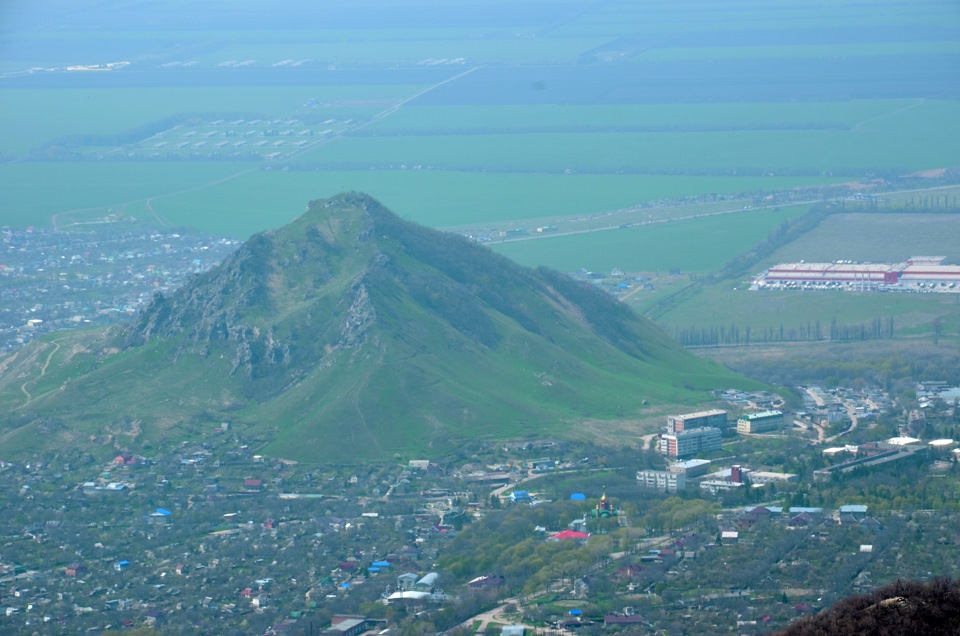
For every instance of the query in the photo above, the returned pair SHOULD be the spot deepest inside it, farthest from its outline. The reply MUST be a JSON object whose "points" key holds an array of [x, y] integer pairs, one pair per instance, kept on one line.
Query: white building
{"points": [[761, 422], [690, 442], [661, 480], [715, 418]]}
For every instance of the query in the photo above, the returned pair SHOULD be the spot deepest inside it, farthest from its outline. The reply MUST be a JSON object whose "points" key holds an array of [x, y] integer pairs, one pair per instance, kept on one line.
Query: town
{"points": [[806, 493], [50, 281]]}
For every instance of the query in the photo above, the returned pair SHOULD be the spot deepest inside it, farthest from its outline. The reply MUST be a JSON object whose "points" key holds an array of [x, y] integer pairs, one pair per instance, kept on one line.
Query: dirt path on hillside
{"points": [[43, 372]]}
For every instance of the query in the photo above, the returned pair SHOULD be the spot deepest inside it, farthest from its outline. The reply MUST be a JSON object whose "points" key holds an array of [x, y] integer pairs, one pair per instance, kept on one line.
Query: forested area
{"points": [[895, 366]]}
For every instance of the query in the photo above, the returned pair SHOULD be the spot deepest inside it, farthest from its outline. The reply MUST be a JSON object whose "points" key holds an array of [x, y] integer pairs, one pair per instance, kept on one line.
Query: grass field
{"points": [[36, 116], [721, 305], [876, 238], [734, 20], [818, 152], [262, 200], [777, 115], [697, 245], [33, 192], [373, 51]]}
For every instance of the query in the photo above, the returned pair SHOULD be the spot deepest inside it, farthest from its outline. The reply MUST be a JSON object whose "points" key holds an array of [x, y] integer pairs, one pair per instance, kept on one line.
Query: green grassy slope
{"points": [[352, 329]]}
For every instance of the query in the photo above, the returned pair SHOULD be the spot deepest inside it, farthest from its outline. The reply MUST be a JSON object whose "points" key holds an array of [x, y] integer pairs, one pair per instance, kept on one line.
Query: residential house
{"points": [[871, 524], [802, 519], [407, 581]]}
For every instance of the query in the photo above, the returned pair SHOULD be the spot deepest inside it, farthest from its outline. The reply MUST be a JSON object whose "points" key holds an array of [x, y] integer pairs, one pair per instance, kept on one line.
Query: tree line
{"points": [[879, 328]]}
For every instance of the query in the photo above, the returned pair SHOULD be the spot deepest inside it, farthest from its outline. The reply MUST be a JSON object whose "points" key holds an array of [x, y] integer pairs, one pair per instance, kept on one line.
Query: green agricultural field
{"points": [[33, 117], [239, 199], [884, 141], [723, 306], [396, 49], [697, 245], [418, 119], [33, 192], [876, 238], [262, 200], [865, 237], [632, 215], [945, 198], [798, 51], [744, 17]]}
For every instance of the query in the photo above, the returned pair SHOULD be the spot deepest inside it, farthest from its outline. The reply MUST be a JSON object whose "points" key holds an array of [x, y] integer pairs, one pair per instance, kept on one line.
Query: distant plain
{"points": [[509, 117]]}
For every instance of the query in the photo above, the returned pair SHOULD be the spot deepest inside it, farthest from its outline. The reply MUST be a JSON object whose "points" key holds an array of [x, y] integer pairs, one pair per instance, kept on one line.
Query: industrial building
{"points": [[918, 273], [762, 422], [690, 467], [716, 418], [690, 442]]}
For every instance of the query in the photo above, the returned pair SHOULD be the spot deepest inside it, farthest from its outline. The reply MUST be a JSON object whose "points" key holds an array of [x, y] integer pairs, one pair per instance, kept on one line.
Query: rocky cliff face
{"points": [[244, 304], [215, 308]]}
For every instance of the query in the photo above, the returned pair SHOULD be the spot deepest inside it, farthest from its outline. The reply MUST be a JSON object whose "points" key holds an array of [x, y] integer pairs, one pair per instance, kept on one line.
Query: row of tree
{"points": [[733, 335]]}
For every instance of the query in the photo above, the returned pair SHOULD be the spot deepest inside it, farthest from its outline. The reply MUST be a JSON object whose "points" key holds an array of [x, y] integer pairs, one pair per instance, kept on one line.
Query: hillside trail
{"points": [[8, 361], [43, 372], [148, 201]]}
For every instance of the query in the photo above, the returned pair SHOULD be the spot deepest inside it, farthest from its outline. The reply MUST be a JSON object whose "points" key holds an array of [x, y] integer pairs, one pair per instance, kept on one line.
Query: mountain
{"points": [[931, 608], [352, 334]]}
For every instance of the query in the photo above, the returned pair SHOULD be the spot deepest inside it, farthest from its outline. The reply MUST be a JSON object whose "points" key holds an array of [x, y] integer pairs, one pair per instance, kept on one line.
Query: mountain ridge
{"points": [[350, 325]]}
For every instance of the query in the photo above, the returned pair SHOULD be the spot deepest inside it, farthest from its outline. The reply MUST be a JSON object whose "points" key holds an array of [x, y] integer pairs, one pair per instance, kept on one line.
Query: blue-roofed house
{"points": [[160, 515]]}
